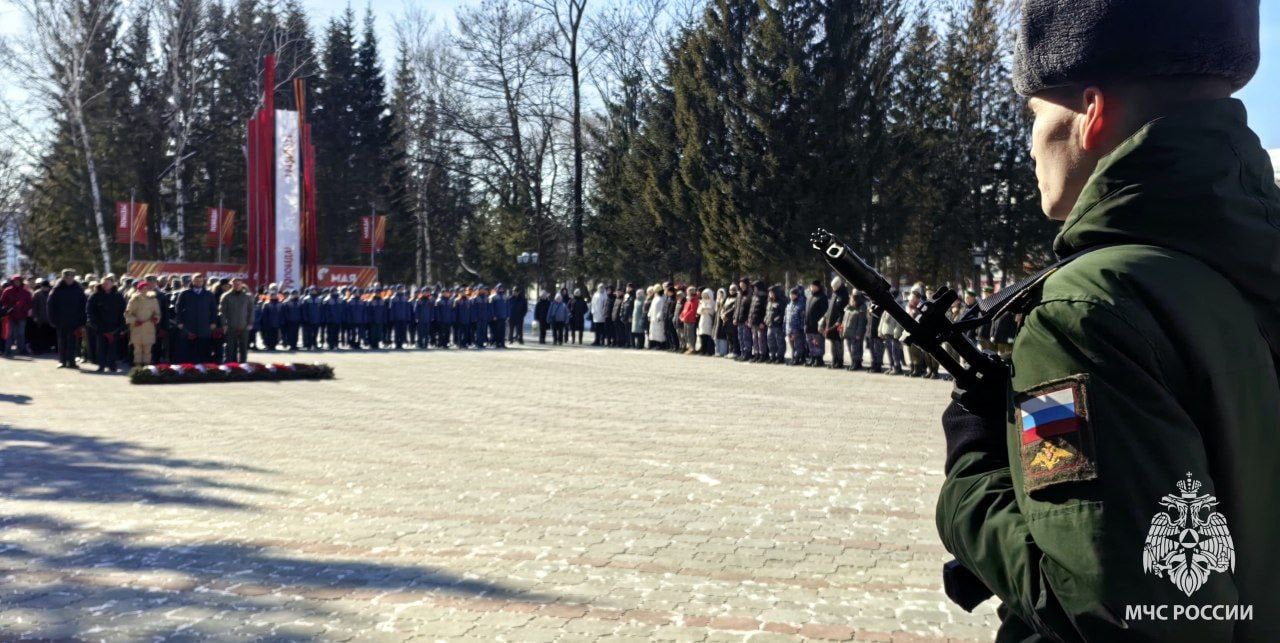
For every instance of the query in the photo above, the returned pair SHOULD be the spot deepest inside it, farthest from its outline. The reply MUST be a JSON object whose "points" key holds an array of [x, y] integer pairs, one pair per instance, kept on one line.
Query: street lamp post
{"points": [[979, 263], [531, 259]]}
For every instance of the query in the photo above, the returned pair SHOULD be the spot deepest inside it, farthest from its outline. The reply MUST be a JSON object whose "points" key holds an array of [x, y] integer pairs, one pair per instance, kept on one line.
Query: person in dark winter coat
{"points": [[755, 319], [816, 307], [577, 316], [66, 312], [498, 306], [482, 317], [105, 312], [728, 313], [833, 321], [376, 314], [796, 310], [312, 320], [272, 320], [400, 314], [775, 322], [235, 309], [423, 308], [162, 352], [558, 313], [518, 307], [196, 317], [461, 320], [875, 344], [741, 315], [540, 317], [291, 320], [40, 335], [443, 318], [855, 328], [331, 318], [353, 318]]}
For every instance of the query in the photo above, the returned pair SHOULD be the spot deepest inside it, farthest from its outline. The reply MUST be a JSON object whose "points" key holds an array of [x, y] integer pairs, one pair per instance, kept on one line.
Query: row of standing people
{"points": [[109, 322], [754, 322]]}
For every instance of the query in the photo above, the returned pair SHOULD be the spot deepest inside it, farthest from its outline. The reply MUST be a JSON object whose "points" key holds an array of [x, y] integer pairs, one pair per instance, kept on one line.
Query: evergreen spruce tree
{"points": [[339, 200]]}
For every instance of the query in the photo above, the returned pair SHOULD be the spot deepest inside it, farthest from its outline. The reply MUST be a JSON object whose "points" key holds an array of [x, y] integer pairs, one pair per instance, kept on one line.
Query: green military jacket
{"points": [[1141, 366]]}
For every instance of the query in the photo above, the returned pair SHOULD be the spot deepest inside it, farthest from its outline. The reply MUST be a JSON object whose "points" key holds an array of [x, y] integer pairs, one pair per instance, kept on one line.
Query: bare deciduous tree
{"points": [[566, 16], [52, 60], [188, 48]]}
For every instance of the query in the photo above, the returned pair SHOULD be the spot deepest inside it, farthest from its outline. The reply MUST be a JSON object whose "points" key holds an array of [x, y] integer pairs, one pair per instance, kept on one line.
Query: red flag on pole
{"points": [[123, 222], [131, 223], [221, 227], [139, 223], [373, 229], [228, 229]]}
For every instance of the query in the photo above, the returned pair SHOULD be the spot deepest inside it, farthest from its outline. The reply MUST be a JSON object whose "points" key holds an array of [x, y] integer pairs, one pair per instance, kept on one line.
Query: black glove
{"points": [[975, 420]]}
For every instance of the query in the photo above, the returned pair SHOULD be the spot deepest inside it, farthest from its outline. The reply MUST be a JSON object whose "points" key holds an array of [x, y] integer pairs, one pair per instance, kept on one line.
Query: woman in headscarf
{"points": [[718, 325], [706, 322], [637, 318], [658, 320]]}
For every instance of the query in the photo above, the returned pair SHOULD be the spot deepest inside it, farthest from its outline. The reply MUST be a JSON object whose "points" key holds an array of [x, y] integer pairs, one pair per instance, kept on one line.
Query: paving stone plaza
{"points": [[572, 494]]}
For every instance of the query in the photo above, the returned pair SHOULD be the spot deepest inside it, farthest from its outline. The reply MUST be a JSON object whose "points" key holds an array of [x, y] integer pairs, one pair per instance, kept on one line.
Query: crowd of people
{"points": [[754, 322], [110, 322]]}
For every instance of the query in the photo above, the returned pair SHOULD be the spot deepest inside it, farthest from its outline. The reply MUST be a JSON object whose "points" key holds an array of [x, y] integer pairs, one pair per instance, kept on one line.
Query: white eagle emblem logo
{"points": [[1190, 540]]}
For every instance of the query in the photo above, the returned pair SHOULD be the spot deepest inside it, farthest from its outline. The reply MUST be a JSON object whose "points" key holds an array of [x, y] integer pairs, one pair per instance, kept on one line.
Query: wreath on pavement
{"points": [[231, 372]]}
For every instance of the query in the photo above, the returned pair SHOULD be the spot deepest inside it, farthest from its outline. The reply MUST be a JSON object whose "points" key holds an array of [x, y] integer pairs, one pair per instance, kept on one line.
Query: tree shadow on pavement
{"points": [[86, 579], [62, 581], [41, 465]]}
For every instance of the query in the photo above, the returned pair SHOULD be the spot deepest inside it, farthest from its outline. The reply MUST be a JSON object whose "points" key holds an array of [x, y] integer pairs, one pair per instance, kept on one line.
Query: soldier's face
{"points": [[1063, 165]]}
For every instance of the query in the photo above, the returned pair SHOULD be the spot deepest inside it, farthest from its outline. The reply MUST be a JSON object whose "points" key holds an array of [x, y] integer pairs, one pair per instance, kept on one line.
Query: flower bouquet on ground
{"points": [[230, 372]]}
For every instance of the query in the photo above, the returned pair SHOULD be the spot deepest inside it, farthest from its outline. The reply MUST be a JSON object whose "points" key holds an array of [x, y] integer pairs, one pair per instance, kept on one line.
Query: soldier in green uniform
{"points": [[1124, 485]]}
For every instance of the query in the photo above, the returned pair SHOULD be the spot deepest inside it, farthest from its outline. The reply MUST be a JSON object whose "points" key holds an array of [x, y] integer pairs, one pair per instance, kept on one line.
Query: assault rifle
{"points": [[933, 333]]}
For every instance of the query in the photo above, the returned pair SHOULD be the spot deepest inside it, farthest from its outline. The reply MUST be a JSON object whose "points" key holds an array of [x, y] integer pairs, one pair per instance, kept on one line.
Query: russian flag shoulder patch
{"points": [[1054, 437]]}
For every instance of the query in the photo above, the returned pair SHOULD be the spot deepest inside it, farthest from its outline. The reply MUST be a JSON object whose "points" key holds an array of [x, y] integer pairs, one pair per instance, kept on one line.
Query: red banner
{"points": [[373, 228], [328, 276], [338, 276], [131, 223], [221, 227]]}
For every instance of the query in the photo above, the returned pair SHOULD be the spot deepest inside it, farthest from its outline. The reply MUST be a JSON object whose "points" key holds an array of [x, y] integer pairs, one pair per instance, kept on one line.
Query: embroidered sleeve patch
{"points": [[1056, 442]]}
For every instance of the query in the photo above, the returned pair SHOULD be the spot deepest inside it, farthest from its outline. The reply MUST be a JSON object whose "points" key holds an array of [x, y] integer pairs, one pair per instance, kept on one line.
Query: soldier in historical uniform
{"points": [[1123, 485]]}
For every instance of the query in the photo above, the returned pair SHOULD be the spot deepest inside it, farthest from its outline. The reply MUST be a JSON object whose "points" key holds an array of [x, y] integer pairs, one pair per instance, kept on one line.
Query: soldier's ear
{"points": [[1096, 119]]}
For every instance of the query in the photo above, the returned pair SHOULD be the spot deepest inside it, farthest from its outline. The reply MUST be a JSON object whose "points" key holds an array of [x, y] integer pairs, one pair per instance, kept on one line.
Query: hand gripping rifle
{"points": [[932, 332]]}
